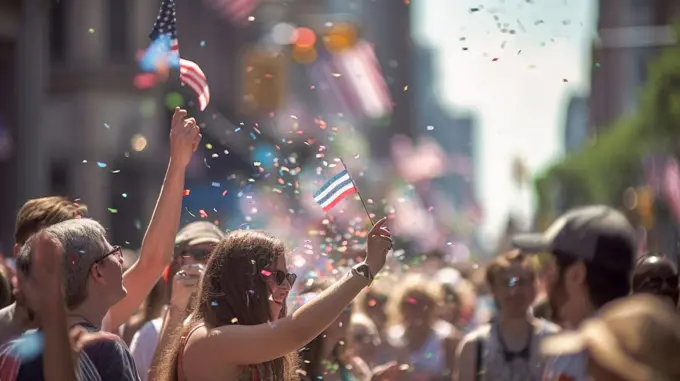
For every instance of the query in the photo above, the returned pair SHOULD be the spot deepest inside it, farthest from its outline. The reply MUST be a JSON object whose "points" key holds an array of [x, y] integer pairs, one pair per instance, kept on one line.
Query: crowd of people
{"points": [[576, 303]]}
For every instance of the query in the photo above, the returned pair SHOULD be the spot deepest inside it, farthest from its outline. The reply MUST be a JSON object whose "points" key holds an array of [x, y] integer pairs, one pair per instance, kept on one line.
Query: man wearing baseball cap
{"points": [[631, 339], [193, 245], [594, 248]]}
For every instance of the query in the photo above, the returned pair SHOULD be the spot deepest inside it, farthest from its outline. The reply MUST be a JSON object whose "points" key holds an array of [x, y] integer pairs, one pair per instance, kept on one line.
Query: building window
{"points": [[58, 30], [118, 37], [59, 178]]}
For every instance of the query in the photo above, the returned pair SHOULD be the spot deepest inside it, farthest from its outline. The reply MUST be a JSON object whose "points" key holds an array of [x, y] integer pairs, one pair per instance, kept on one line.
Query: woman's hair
{"points": [[410, 285], [233, 291]]}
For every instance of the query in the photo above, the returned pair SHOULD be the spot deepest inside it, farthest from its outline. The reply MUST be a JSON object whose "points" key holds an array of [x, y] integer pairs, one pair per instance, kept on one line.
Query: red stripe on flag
{"points": [[192, 75], [366, 78], [340, 198]]}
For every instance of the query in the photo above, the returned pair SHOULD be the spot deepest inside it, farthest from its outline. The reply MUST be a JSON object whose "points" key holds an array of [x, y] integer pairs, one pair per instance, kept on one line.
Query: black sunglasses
{"points": [[280, 276], [199, 254]]}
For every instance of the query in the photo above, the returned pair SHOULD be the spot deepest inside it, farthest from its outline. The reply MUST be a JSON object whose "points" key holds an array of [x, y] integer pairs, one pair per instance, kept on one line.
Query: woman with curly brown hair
{"points": [[239, 329]]}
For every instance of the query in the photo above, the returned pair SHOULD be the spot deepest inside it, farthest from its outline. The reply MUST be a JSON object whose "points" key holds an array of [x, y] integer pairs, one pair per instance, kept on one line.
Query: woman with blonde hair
{"points": [[239, 329], [426, 343]]}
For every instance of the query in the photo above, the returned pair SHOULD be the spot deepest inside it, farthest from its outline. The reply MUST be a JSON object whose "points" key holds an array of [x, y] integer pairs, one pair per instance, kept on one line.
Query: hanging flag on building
{"points": [[236, 11], [671, 186], [352, 81], [190, 74]]}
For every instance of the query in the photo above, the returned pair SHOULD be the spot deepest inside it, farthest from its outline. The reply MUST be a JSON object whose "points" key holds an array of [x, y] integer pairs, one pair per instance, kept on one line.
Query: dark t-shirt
{"points": [[105, 360]]}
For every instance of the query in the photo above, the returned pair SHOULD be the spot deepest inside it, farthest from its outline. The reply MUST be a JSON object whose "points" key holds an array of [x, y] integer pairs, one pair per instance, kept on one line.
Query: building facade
{"points": [[631, 33]]}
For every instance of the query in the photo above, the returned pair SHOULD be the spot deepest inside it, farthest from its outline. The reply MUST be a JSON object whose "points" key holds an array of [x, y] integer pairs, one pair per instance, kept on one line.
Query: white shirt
{"points": [[566, 368], [143, 346]]}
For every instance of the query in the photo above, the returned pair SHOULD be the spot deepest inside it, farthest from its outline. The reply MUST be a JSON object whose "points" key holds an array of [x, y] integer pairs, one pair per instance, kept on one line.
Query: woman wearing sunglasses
{"points": [[655, 274], [239, 329]]}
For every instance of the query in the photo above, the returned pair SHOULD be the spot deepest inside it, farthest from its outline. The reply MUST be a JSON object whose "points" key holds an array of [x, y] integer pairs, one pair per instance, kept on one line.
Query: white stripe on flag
{"points": [[363, 70], [332, 187], [336, 194]]}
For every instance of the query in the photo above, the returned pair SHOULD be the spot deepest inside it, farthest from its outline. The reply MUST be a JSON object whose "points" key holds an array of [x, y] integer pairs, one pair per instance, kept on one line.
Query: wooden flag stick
{"points": [[358, 193]]}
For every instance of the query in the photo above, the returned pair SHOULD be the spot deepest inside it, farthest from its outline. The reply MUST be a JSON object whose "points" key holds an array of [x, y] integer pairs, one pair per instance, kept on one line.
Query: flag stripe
{"points": [[324, 190], [340, 197], [339, 186], [335, 190]]}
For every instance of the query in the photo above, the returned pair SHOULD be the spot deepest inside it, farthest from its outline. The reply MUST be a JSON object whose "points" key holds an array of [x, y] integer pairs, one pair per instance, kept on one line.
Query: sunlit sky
{"points": [[518, 101]]}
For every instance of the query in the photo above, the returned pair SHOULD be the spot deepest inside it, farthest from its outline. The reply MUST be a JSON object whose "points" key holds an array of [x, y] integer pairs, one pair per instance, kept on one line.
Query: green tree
{"points": [[602, 170]]}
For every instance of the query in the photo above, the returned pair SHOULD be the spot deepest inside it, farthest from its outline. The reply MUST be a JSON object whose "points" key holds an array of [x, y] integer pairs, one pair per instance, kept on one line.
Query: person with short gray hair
{"points": [[93, 282], [84, 241]]}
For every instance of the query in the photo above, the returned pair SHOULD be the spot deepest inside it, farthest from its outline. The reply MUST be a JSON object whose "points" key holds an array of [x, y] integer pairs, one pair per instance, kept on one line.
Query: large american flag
{"points": [[190, 73], [352, 80]]}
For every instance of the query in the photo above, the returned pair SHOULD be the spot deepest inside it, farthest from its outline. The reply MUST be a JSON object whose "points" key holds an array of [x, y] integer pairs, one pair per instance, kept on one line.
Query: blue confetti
{"points": [[215, 184], [101, 165], [202, 43], [29, 346]]}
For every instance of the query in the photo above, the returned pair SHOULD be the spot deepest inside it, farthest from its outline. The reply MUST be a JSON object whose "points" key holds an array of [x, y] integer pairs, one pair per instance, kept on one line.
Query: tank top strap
{"points": [[180, 352]]}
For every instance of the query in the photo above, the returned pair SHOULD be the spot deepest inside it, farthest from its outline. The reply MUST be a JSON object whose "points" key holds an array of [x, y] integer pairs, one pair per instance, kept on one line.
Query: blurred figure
{"points": [[593, 248], [326, 357], [34, 215], [5, 290], [507, 348], [372, 303], [425, 343], [633, 339], [193, 245], [450, 309], [657, 275], [364, 339]]}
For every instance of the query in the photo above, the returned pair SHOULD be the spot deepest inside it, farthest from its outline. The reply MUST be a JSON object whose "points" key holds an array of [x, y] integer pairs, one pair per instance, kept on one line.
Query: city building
{"points": [[79, 125], [576, 126], [630, 34]]}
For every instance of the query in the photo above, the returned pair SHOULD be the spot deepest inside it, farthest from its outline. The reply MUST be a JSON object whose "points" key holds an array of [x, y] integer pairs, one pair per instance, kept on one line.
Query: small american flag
{"points": [[190, 73]]}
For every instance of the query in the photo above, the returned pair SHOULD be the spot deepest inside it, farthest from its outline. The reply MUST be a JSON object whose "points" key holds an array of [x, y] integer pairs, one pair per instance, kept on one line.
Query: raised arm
{"points": [[43, 291], [159, 240], [466, 361], [242, 345]]}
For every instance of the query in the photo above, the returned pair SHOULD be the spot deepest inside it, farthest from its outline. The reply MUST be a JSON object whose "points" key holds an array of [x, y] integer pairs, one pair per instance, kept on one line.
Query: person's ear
{"points": [[17, 247], [96, 273], [575, 276]]}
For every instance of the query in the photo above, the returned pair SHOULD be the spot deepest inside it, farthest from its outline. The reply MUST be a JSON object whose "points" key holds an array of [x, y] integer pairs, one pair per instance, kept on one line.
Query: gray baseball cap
{"points": [[582, 233], [198, 232]]}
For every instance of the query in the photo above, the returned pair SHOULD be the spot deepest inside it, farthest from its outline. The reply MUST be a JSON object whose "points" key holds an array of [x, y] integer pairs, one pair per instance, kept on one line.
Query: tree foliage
{"points": [[609, 164]]}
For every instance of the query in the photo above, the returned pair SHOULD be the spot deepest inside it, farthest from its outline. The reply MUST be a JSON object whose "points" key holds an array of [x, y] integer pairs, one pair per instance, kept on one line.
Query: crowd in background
{"points": [[199, 303]]}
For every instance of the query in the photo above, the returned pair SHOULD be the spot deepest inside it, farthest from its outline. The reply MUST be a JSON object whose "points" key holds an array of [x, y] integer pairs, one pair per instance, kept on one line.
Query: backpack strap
{"points": [[479, 358]]}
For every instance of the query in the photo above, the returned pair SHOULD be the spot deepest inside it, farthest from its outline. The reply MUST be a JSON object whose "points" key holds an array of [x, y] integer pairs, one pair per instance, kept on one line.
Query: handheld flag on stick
{"points": [[336, 189], [189, 72]]}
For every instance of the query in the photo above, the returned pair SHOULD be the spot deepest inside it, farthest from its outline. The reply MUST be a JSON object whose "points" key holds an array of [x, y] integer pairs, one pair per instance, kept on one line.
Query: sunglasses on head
{"points": [[280, 276]]}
